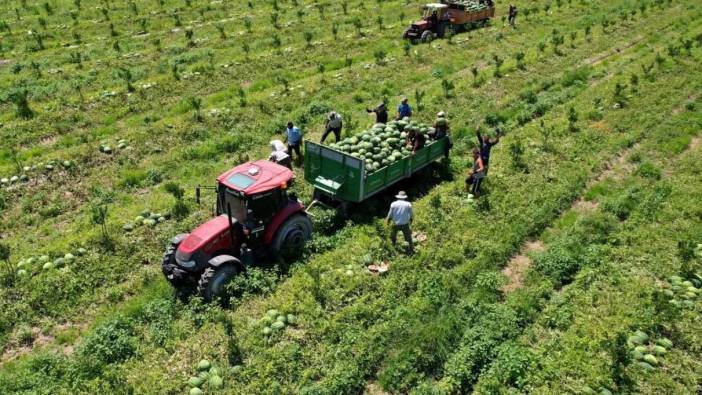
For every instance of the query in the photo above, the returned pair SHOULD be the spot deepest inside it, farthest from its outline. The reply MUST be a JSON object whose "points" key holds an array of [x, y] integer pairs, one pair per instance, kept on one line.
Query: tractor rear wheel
{"points": [[213, 281], [290, 240]]}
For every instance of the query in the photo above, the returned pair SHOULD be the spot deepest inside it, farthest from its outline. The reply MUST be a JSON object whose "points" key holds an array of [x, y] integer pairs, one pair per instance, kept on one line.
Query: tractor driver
{"points": [[434, 18]]}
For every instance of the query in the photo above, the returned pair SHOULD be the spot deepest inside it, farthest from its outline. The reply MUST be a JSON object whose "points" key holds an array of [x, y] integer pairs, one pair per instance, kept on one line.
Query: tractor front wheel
{"points": [[213, 281], [427, 36], [291, 237]]}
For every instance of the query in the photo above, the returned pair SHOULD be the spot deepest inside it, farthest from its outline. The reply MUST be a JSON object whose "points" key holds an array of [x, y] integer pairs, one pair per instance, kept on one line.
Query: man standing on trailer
{"points": [[334, 125], [381, 113], [401, 216], [404, 109]]}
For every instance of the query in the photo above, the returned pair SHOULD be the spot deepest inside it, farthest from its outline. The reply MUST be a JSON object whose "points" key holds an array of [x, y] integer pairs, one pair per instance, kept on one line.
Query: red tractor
{"points": [[257, 219], [454, 15]]}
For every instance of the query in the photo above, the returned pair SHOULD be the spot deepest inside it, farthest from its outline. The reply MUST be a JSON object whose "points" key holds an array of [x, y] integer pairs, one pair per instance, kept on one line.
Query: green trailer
{"points": [[344, 178]]}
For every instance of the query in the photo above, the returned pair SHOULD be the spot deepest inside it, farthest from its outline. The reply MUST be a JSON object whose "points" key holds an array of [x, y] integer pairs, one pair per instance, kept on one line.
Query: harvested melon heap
{"points": [[469, 5], [383, 144]]}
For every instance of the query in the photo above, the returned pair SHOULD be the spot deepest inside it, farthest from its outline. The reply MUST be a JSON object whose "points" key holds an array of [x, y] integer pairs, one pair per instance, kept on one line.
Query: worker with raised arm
{"points": [[401, 216], [486, 143], [293, 136], [381, 113], [404, 109], [333, 125]]}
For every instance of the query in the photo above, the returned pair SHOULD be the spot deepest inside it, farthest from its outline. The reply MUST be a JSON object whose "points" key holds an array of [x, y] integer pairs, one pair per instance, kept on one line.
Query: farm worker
{"points": [[441, 127], [512, 14], [486, 144], [475, 174], [415, 140], [334, 124], [293, 136], [404, 109], [381, 113], [401, 216], [279, 154]]}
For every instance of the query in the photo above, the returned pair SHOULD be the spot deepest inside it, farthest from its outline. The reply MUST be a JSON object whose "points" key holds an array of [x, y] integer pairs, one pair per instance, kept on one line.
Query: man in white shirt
{"points": [[279, 154], [401, 216]]}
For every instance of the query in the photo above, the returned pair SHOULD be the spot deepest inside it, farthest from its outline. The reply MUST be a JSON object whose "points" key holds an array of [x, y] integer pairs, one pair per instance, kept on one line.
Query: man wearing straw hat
{"points": [[401, 216]]}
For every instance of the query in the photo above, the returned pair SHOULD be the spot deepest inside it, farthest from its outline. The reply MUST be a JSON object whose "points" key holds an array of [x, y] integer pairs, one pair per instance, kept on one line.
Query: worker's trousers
{"points": [[406, 232]]}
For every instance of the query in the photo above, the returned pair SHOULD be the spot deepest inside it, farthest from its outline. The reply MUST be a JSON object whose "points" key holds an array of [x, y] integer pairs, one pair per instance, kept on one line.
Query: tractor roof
{"points": [[256, 177], [435, 6]]}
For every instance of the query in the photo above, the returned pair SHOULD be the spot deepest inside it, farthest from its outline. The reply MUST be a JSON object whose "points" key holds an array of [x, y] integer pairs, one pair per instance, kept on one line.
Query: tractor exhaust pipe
{"points": [[231, 224]]}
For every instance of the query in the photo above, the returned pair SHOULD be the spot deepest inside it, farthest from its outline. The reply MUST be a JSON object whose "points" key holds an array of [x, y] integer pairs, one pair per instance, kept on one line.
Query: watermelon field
{"points": [[578, 270]]}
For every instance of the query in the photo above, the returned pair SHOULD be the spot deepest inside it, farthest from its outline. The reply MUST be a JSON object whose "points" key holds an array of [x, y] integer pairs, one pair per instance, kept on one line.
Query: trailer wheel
{"points": [[290, 240], [213, 281]]}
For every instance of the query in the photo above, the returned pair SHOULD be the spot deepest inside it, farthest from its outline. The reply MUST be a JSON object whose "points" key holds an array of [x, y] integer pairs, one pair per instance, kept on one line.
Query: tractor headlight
{"points": [[184, 260]]}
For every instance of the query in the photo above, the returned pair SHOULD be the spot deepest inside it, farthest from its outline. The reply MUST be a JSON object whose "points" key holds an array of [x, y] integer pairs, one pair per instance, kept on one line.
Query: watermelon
{"points": [[273, 313], [81, 251], [645, 366], [637, 355], [195, 381], [139, 219], [69, 258], [281, 318], [659, 350], [195, 391], [14, 179], [292, 320], [278, 325], [204, 365], [267, 331], [215, 381], [650, 359], [665, 342], [48, 266], [4, 181], [128, 227]]}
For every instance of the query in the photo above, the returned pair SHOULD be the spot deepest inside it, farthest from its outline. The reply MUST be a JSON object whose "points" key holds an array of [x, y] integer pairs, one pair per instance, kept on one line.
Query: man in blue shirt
{"points": [[404, 110], [293, 136]]}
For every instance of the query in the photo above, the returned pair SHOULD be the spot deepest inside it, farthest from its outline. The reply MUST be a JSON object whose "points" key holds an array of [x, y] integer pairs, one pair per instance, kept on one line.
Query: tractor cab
{"points": [[436, 11], [253, 193], [435, 18], [256, 219]]}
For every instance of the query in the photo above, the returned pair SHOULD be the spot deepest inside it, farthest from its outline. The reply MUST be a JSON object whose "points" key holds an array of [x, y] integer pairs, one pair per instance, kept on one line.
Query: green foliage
{"points": [[111, 342]]}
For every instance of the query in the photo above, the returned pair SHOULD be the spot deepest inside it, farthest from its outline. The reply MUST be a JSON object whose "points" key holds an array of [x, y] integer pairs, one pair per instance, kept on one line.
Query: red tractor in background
{"points": [[257, 219], [454, 15]]}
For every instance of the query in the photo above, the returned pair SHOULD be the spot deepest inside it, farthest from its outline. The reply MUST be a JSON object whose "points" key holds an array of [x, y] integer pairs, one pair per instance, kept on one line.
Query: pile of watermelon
{"points": [[146, 218], [645, 351], [34, 264], [275, 321], [207, 377], [28, 171], [683, 292], [383, 144], [468, 5]]}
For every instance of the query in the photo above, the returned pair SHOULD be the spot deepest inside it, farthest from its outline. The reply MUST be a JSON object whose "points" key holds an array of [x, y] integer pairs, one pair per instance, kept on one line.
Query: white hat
{"points": [[441, 114], [401, 195]]}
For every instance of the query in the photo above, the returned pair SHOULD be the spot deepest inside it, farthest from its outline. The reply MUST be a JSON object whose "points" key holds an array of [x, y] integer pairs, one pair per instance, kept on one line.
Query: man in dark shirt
{"points": [[415, 140], [486, 145], [381, 113]]}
